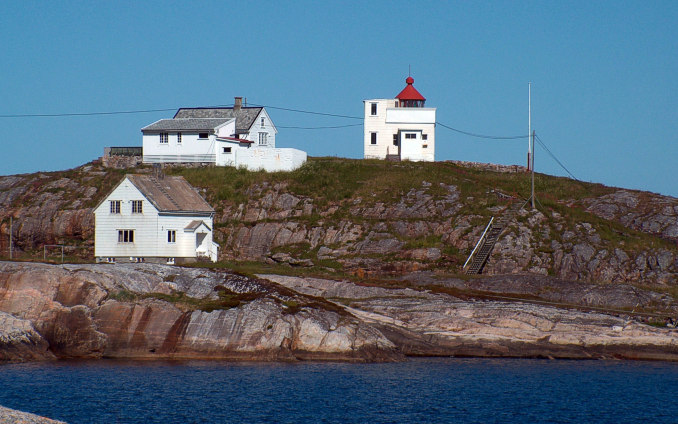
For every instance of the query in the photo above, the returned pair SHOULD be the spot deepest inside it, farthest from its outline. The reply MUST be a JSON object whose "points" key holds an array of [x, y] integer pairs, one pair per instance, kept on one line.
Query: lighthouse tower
{"points": [[401, 128]]}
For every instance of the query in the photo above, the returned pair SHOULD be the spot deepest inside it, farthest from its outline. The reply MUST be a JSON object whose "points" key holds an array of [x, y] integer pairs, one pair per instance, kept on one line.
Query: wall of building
{"points": [[267, 128], [390, 121]]}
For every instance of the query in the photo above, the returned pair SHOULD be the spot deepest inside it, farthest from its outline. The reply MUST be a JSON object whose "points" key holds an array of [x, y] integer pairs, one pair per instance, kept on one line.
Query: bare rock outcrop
{"points": [[429, 323], [156, 311], [12, 416]]}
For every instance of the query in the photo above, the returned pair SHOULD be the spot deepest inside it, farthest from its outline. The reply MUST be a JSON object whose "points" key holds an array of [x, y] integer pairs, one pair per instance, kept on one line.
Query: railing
{"points": [[480, 242], [126, 151]]}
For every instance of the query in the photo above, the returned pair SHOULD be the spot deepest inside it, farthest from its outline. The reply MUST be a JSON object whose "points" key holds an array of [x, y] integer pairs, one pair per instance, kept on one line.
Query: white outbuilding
{"points": [[154, 219], [238, 136], [400, 128]]}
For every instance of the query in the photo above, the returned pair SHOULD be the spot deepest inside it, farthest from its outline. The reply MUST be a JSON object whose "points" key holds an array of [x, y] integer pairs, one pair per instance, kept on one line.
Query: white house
{"points": [[400, 128], [153, 219], [225, 136]]}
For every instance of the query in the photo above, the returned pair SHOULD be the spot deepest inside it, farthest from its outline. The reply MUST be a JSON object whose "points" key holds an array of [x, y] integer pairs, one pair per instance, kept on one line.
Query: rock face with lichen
{"points": [[155, 311], [377, 218]]}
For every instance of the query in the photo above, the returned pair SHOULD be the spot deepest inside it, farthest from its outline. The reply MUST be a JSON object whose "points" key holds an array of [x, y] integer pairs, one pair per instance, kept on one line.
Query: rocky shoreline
{"points": [[146, 311]]}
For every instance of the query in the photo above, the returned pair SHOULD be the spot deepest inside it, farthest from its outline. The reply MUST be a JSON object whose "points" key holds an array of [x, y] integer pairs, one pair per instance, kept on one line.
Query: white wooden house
{"points": [[400, 128], [224, 136], [154, 219]]}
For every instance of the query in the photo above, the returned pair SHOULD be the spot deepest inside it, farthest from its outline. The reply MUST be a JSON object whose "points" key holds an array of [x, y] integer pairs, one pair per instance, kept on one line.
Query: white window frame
{"points": [[115, 207], [200, 136], [263, 121], [126, 236], [228, 150], [373, 138], [178, 138], [164, 138], [137, 206], [373, 109], [263, 138], [171, 236]]}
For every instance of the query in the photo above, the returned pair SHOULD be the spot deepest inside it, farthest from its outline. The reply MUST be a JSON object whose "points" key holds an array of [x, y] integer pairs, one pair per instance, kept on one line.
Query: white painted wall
{"points": [[191, 149], [391, 120], [268, 128], [270, 160], [150, 229]]}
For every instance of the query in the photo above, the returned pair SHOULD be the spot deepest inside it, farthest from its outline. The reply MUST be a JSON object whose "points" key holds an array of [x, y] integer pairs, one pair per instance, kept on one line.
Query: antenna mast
{"points": [[529, 126], [530, 139]]}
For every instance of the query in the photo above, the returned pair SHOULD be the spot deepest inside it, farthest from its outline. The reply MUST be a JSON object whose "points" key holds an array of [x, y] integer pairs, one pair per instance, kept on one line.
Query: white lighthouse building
{"points": [[400, 128]]}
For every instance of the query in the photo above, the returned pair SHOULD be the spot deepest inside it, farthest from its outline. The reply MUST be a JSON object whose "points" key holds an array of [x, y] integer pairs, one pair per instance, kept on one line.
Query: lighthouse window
{"points": [[395, 139], [374, 109], [373, 138], [410, 135], [424, 136]]}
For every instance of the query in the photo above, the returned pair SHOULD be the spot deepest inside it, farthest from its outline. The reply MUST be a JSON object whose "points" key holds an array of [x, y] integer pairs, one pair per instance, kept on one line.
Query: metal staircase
{"points": [[481, 252]]}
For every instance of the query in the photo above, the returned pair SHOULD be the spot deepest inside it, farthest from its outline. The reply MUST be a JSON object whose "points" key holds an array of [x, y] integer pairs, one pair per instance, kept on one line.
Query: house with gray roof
{"points": [[224, 136], [149, 218]]}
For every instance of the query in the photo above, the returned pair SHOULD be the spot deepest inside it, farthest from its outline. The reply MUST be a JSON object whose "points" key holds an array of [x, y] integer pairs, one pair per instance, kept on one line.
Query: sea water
{"points": [[416, 391]]}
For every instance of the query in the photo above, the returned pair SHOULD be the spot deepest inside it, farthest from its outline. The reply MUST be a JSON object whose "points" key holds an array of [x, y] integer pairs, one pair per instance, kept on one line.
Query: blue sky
{"points": [[604, 76]]}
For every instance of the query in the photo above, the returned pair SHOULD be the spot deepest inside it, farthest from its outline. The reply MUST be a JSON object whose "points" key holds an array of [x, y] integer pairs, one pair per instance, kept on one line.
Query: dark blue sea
{"points": [[416, 391]]}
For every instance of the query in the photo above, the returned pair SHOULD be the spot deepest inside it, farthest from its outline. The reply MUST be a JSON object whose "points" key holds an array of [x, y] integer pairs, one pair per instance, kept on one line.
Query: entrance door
{"points": [[410, 145]]}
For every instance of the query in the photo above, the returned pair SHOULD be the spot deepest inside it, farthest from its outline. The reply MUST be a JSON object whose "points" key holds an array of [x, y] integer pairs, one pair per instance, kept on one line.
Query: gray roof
{"points": [[194, 225], [189, 124], [170, 193], [244, 118]]}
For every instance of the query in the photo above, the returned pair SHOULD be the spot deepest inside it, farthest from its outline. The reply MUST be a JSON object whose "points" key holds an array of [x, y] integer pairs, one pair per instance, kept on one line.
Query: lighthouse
{"points": [[401, 128]]}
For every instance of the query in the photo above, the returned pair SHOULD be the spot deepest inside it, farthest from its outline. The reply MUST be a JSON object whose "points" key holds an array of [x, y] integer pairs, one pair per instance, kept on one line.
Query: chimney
{"points": [[238, 103]]}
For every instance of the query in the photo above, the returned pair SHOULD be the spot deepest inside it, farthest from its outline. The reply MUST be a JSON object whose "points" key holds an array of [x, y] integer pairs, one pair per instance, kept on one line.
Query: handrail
{"points": [[482, 238]]}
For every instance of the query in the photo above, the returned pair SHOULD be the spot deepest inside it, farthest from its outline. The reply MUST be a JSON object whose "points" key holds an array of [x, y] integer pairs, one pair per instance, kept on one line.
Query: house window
{"points": [[424, 136], [164, 138], [262, 122], [136, 206], [178, 138], [263, 139], [411, 136], [395, 139], [373, 138], [227, 149], [203, 135], [115, 206], [373, 110], [171, 236], [425, 146], [125, 236]]}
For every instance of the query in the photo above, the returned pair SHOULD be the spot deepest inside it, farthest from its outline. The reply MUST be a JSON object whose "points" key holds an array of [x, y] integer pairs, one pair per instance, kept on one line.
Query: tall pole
{"points": [[529, 125], [532, 196]]}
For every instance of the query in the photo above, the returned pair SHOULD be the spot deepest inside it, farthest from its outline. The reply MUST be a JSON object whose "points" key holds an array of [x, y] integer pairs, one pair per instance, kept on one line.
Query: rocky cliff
{"points": [[156, 311], [382, 219]]}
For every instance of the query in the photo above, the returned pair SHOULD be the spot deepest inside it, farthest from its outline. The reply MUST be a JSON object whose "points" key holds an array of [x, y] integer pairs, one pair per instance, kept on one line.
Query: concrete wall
{"points": [[269, 159]]}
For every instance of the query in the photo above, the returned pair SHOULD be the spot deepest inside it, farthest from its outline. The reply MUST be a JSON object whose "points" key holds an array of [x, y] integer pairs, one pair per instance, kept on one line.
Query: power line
{"points": [[56, 115], [308, 111], [554, 157], [492, 137], [320, 128]]}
